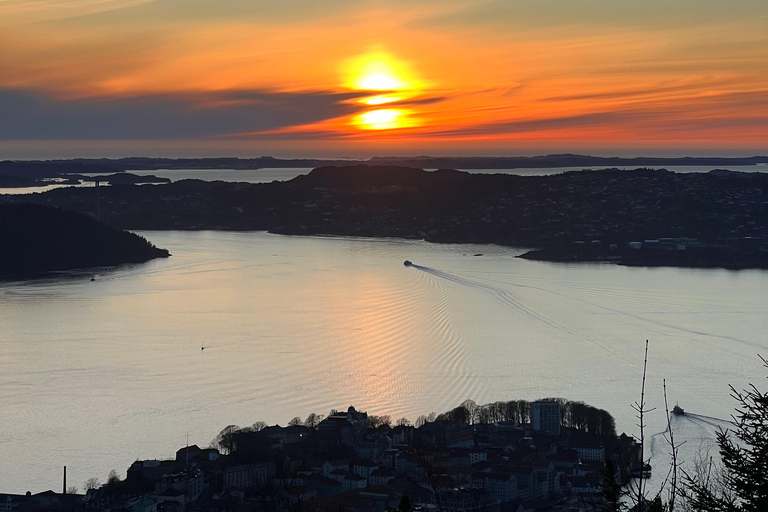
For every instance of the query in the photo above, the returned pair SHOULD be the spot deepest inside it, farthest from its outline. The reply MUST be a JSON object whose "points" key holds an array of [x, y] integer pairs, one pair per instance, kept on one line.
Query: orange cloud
{"points": [[427, 81]]}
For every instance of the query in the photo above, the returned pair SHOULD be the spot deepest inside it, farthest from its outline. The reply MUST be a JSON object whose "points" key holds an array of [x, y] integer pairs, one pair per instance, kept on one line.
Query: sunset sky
{"points": [[362, 78]]}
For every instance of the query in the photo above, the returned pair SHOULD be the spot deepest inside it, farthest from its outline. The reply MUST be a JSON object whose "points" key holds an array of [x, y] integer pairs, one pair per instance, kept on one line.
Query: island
{"points": [[644, 216], [38, 239], [54, 168], [125, 178]]}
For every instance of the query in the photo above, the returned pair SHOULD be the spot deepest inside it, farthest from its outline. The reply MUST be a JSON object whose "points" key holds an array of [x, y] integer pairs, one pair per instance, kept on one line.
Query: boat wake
{"points": [[508, 300], [640, 318]]}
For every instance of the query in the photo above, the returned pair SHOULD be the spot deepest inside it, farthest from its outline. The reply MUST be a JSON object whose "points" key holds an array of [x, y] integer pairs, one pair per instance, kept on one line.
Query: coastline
{"points": [[720, 218]]}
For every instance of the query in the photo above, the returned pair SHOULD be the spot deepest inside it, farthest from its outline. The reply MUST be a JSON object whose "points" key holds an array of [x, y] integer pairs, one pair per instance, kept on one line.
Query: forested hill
{"points": [[708, 219], [36, 239]]}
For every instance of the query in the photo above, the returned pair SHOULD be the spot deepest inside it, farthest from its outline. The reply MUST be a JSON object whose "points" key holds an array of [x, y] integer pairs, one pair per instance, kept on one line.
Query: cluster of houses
{"points": [[342, 464]]}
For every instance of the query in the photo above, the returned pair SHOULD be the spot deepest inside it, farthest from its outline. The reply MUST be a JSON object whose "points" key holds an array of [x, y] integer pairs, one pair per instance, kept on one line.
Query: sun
{"points": [[381, 119], [390, 80], [378, 71]]}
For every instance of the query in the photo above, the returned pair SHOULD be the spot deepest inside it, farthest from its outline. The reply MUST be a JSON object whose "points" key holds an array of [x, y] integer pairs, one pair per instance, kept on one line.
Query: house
{"points": [[152, 470], [352, 481], [47, 500], [325, 486], [330, 466], [466, 499], [339, 475], [172, 496], [381, 476], [501, 487], [246, 476], [193, 455], [364, 468], [586, 485], [184, 488], [450, 434], [345, 428]]}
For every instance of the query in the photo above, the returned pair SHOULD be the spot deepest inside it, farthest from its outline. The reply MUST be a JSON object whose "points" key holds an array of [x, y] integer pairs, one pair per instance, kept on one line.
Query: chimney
{"points": [[64, 489]]}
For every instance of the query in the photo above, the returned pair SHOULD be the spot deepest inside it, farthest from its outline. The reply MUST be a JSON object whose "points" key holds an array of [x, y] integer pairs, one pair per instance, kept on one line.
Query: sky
{"points": [[358, 78]]}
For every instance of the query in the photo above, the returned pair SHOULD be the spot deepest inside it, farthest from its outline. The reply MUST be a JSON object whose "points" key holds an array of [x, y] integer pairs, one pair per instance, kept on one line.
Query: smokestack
{"points": [[64, 490]]}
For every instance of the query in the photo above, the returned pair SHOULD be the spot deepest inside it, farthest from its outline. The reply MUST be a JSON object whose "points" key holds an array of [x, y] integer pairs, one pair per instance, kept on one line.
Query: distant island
{"points": [[644, 216], [124, 178], [38, 239], [25, 174], [47, 169]]}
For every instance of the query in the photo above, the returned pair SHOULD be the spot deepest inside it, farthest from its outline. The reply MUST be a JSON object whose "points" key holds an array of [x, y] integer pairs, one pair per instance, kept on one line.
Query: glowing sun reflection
{"points": [[382, 119]]}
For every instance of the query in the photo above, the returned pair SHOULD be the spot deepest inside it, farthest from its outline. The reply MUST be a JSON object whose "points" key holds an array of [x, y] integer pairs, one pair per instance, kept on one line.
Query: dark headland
{"points": [[640, 217], [38, 239]]}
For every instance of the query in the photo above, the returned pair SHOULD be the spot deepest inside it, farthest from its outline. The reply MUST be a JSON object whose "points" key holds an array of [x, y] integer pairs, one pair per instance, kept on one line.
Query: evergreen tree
{"points": [[744, 452]]}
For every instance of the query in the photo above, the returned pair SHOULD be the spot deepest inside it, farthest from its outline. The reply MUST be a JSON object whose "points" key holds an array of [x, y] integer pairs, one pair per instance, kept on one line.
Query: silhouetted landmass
{"points": [[20, 182], [125, 178], [36, 169], [695, 255], [563, 160], [37, 239], [53, 168], [720, 216]]}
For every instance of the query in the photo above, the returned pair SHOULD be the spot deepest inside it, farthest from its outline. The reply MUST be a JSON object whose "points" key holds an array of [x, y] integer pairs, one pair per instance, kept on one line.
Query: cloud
{"points": [[547, 14], [733, 114], [650, 90], [13, 12], [735, 117], [33, 116]]}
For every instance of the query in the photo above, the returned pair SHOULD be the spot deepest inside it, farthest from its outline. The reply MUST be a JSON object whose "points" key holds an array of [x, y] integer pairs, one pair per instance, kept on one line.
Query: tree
{"points": [[403, 422], [91, 483], [225, 441], [113, 478], [470, 411], [704, 485], [378, 421], [313, 420], [258, 426], [743, 485], [295, 422], [72, 489]]}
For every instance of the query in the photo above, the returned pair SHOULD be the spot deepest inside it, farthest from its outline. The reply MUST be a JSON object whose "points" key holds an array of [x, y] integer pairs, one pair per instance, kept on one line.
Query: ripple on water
{"points": [[296, 325]]}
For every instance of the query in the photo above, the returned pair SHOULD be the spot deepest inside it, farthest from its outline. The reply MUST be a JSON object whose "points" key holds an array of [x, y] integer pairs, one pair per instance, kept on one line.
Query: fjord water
{"points": [[268, 175], [95, 374]]}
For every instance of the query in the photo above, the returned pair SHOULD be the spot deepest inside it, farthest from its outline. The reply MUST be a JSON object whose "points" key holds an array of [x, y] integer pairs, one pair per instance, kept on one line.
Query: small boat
{"points": [[408, 263], [678, 411]]}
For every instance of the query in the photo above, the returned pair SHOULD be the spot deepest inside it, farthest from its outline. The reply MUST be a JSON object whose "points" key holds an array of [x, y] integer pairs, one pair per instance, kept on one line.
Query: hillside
{"points": [[719, 218], [37, 239]]}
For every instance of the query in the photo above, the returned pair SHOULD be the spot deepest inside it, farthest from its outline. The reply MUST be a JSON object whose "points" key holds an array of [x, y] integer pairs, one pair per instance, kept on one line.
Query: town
{"points": [[516, 456], [719, 218]]}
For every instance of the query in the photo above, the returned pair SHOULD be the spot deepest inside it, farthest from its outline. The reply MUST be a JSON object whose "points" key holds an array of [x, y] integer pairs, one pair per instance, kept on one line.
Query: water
{"points": [[284, 174], [268, 175], [96, 374], [265, 175]]}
